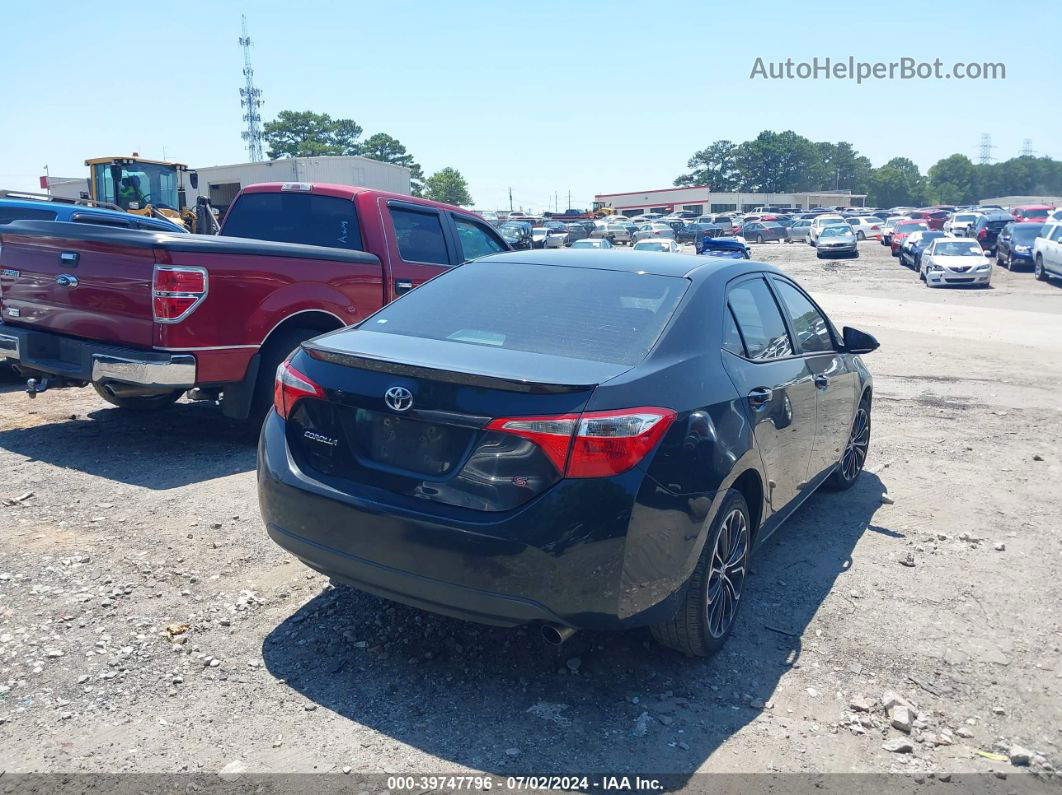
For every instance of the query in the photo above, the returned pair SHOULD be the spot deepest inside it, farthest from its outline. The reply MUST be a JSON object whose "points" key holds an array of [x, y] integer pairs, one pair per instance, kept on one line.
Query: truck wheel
{"points": [[275, 351], [140, 402]]}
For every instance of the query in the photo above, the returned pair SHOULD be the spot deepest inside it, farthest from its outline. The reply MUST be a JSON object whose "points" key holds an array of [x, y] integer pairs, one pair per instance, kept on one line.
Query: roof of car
{"points": [[678, 265]]}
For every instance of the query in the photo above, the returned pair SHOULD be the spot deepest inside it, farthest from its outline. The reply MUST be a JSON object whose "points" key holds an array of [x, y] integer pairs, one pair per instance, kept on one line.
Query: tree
{"points": [[713, 166], [841, 168], [307, 134], [447, 185], [777, 162], [897, 183], [382, 146], [953, 180]]}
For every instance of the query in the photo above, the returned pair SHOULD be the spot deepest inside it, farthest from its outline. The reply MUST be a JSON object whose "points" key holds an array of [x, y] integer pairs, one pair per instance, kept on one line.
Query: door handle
{"points": [[69, 258], [760, 396], [821, 381], [402, 286]]}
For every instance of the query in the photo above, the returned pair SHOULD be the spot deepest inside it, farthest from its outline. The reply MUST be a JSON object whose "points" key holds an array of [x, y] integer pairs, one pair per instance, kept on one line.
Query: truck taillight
{"points": [[594, 444], [176, 290], [290, 387]]}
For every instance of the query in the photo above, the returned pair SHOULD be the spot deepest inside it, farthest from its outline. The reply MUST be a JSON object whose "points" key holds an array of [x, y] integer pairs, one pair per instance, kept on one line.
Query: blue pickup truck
{"points": [[17, 206]]}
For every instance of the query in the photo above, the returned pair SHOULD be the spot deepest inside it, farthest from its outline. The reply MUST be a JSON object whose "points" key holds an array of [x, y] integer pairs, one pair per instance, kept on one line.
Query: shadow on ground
{"points": [[185, 443], [499, 700]]}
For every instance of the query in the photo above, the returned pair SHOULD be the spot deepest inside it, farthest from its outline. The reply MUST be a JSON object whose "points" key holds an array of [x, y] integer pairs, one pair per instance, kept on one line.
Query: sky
{"points": [[541, 98]]}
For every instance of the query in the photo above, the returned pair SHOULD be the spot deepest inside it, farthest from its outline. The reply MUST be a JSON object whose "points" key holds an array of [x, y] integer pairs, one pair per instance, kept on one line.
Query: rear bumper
{"points": [[549, 560], [87, 361]]}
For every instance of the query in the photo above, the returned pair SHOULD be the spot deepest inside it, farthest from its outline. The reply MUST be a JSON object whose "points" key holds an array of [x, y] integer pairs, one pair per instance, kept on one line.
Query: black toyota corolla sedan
{"points": [[589, 439]]}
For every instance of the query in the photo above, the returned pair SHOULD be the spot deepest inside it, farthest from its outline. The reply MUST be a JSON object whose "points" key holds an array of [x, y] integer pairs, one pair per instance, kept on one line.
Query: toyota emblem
{"points": [[398, 398]]}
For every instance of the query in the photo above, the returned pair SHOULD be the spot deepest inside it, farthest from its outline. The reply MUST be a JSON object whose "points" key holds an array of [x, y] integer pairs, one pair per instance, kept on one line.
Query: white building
{"points": [[702, 200], [222, 183]]}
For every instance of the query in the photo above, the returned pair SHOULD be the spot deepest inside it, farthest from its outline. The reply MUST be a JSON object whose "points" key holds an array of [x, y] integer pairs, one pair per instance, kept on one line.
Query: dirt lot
{"points": [[136, 524]]}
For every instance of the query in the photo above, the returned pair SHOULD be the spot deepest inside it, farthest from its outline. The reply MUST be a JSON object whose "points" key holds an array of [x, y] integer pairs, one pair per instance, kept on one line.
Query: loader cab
{"points": [[134, 183]]}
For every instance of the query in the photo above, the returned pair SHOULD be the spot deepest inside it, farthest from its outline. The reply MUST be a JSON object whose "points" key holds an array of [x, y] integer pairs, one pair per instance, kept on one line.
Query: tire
{"points": [[818, 255], [860, 236], [708, 607], [141, 403], [1038, 268], [759, 239], [275, 351], [999, 260], [855, 452]]}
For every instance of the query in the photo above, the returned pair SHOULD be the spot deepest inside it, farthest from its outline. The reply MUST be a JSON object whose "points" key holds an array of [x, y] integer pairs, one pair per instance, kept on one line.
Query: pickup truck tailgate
{"points": [[75, 280]]}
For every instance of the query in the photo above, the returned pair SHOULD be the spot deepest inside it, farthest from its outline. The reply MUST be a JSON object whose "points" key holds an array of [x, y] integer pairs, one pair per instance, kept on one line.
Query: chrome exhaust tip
{"points": [[556, 634]]}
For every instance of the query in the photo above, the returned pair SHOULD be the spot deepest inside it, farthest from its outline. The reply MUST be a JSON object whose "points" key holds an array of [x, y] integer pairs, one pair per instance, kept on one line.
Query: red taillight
{"points": [[875, 229], [176, 290], [982, 233], [291, 386], [593, 444]]}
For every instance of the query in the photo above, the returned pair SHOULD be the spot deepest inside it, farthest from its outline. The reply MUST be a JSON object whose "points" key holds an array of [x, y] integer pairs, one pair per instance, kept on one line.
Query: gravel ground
{"points": [[148, 624]]}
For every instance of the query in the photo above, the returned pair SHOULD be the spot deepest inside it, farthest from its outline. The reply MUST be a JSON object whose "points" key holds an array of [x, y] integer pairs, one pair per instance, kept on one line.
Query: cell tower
{"points": [[1026, 148], [250, 100], [986, 149]]}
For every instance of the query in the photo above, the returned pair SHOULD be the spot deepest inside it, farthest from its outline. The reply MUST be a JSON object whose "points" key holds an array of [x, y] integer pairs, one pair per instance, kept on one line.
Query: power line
{"points": [[250, 99]]}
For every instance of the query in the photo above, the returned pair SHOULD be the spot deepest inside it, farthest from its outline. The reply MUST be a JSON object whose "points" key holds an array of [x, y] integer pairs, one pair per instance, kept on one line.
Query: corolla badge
{"points": [[320, 437], [398, 398]]}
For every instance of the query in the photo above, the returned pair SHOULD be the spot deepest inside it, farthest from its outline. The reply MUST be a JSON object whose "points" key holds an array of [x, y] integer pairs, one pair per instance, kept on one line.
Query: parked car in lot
{"points": [[575, 232], [548, 237], [901, 231], [934, 219], [16, 206], [517, 234], [615, 231], [821, 222], [589, 448], [865, 226], [836, 240], [763, 231], [1014, 244], [915, 245], [146, 316], [727, 247], [797, 232], [888, 226], [693, 232], [955, 261], [959, 223], [1031, 212], [987, 227], [663, 245], [1047, 251], [592, 242], [653, 230]]}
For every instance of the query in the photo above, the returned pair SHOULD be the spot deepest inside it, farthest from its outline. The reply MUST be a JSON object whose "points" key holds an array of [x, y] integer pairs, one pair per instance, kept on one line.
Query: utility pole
{"points": [[569, 198], [250, 100], [510, 199], [1026, 148]]}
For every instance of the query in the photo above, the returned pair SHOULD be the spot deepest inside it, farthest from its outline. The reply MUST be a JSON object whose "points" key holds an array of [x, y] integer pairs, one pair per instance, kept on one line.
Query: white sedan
{"points": [[547, 237], [951, 260], [866, 226], [663, 244]]}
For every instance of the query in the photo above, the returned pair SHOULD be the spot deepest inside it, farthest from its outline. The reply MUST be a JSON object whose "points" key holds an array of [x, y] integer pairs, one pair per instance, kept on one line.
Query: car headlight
{"points": [[984, 267], [1022, 249], [934, 267]]}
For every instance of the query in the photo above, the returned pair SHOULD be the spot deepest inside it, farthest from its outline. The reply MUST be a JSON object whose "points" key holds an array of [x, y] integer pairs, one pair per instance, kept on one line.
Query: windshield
{"points": [[836, 231], [831, 221], [579, 313], [588, 244], [958, 248], [139, 185]]}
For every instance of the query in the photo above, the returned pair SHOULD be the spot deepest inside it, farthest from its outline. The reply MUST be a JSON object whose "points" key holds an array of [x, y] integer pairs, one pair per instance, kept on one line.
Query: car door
{"points": [[1053, 250], [420, 243], [778, 386], [836, 383]]}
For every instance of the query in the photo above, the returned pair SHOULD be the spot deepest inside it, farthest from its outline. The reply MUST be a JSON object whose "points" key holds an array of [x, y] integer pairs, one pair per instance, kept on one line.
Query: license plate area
{"points": [[390, 442]]}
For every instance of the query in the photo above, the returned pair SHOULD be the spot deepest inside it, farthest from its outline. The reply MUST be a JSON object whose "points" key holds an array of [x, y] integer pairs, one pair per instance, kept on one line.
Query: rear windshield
{"points": [[1027, 233], [9, 214], [290, 217], [580, 313]]}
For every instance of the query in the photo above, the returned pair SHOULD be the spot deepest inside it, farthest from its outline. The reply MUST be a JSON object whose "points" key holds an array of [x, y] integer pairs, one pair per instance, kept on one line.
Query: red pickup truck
{"points": [[145, 317]]}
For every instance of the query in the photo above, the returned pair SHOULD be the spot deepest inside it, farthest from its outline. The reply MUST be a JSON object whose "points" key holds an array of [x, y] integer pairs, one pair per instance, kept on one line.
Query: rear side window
{"points": [[475, 240], [9, 214], [731, 335], [600, 315], [759, 320], [812, 331], [290, 217], [420, 236]]}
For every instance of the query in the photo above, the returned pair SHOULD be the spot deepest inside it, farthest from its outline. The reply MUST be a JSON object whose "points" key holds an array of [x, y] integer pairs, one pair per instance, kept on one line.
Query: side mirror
{"points": [[856, 341], [193, 179]]}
